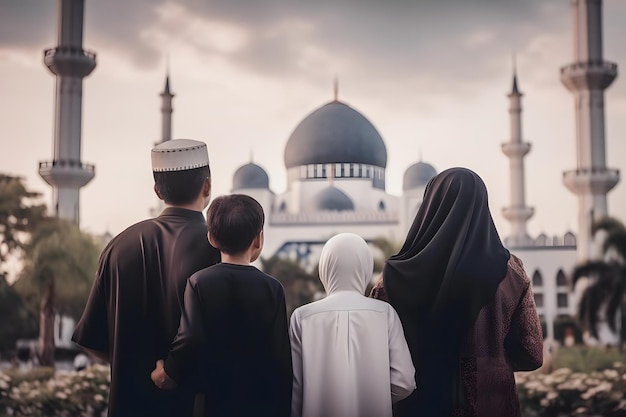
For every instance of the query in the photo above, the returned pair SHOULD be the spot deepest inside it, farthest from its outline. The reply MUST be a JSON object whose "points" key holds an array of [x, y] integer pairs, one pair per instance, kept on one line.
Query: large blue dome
{"points": [[335, 133], [250, 176], [333, 199], [418, 175]]}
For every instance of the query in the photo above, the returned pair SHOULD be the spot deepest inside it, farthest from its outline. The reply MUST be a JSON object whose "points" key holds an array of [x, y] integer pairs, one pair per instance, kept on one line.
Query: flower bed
{"points": [[82, 393], [563, 392], [568, 393]]}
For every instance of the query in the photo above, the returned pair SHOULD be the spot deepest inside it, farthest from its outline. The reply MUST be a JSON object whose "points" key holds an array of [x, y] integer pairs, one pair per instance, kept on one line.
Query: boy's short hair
{"points": [[234, 221], [181, 187]]}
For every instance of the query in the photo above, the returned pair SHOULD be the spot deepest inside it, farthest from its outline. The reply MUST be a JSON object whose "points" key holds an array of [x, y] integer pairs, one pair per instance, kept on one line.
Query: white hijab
{"points": [[346, 264]]}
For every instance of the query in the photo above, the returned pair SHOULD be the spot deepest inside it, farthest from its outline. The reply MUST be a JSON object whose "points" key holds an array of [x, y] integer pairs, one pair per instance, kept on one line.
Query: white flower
{"points": [[61, 395], [98, 398], [611, 374]]}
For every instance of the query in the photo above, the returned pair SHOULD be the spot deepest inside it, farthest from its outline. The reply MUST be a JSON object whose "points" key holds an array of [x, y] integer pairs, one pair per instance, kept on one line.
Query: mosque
{"points": [[335, 162]]}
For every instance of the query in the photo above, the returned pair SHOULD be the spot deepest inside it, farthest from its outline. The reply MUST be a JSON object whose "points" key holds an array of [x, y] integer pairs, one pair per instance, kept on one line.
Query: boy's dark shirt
{"points": [[134, 308], [235, 318]]}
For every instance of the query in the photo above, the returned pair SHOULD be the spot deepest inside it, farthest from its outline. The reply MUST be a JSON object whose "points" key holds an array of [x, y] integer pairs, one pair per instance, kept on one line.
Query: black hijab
{"points": [[448, 268]]}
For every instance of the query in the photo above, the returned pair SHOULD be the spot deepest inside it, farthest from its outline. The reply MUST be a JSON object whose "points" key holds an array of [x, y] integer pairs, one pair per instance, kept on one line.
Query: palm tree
{"points": [[60, 263], [606, 293]]}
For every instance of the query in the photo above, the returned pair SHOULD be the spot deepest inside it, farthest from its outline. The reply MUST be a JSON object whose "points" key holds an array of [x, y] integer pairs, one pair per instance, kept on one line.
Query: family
{"points": [[190, 327]]}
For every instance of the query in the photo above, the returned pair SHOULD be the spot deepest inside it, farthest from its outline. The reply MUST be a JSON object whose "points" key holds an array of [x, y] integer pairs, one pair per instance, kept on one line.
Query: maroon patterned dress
{"points": [[505, 338]]}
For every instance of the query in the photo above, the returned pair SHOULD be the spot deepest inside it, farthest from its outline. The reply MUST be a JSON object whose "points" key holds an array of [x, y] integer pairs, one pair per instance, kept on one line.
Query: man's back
{"points": [[136, 298], [247, 357]]}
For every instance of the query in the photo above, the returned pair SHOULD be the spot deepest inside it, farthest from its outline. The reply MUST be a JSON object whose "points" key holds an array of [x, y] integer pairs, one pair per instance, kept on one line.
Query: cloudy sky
{"points": [[432, 76]]}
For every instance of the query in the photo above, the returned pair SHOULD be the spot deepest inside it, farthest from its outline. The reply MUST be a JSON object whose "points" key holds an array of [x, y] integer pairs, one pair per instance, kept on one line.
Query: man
{"points": [[134, 307]]}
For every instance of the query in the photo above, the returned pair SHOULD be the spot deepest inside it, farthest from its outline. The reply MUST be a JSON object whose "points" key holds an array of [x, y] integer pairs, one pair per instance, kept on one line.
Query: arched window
{"points": [[561, 279], [537, 279], [283, 206], [381, 205]]}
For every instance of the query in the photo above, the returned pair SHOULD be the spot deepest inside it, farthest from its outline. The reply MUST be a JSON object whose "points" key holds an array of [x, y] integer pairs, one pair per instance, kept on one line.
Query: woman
{"points": [[465, 303]]}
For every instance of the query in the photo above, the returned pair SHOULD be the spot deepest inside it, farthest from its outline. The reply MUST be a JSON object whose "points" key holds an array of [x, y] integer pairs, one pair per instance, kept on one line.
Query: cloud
{"points": [[398, 31], [428, 46]]}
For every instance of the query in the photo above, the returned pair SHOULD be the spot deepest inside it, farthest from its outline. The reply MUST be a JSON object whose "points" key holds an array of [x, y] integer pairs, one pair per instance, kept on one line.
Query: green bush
{"points": [[38, 394], [40, 374], [568, 393], [587, 359], [587, 381]]}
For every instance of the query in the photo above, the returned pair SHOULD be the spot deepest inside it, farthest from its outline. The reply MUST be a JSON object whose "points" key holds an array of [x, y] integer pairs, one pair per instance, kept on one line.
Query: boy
{"points": [[350, 358], [235, 318]]}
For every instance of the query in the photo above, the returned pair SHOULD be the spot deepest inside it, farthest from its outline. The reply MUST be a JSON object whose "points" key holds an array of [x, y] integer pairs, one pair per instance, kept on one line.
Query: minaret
{"points": [[70, 63], [166, 128], [587, 78], [517, 212], [166, 111]]}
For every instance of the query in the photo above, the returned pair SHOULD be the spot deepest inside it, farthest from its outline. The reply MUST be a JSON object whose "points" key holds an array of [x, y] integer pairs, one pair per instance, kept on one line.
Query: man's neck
{"points": [[197, 205]]}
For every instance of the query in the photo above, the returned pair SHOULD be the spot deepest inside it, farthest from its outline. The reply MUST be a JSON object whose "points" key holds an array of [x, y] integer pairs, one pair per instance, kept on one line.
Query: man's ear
{"points": [[156, 191], [206, 188]]}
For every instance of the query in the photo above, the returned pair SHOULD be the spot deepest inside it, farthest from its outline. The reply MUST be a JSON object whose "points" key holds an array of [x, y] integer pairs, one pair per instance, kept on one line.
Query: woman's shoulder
{"points": [[515, 268]]}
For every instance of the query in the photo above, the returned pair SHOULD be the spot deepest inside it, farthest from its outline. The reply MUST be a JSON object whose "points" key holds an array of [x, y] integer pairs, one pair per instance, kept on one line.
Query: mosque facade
{"points": [[335, 161]]}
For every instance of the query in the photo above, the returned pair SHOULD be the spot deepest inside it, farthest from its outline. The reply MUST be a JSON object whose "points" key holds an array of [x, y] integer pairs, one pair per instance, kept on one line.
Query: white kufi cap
{"points": [[179, 155]]}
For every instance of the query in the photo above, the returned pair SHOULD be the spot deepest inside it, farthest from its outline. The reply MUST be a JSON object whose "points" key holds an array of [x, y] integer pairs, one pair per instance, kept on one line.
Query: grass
{"points": [[587, 359]]}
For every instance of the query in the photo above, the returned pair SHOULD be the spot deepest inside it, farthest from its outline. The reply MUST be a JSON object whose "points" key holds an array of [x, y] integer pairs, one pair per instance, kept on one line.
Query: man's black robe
{"points": [[135, 304], [235, 317]]}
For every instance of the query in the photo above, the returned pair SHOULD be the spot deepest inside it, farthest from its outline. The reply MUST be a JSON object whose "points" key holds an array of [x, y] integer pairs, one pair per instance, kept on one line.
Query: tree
{"points": [[605, 294], [17, 321], [300, 286], [59, 265], [386, 248], [20, 213]]}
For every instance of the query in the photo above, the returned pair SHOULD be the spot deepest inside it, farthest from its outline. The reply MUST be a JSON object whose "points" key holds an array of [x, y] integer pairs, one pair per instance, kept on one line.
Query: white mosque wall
{"points": [[301, 230], [264, 196], [553, 292], [301, 197], [409, 204]]}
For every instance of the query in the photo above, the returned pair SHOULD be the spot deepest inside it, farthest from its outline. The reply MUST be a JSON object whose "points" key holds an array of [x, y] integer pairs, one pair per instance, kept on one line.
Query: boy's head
{"points": [[181, 171], [235, 224]]}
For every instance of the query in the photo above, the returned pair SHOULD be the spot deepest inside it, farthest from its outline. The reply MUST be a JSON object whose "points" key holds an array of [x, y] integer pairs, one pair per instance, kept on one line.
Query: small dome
{"points": [[250, 176], [418, 175], [333, 198], [335, 133]]}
